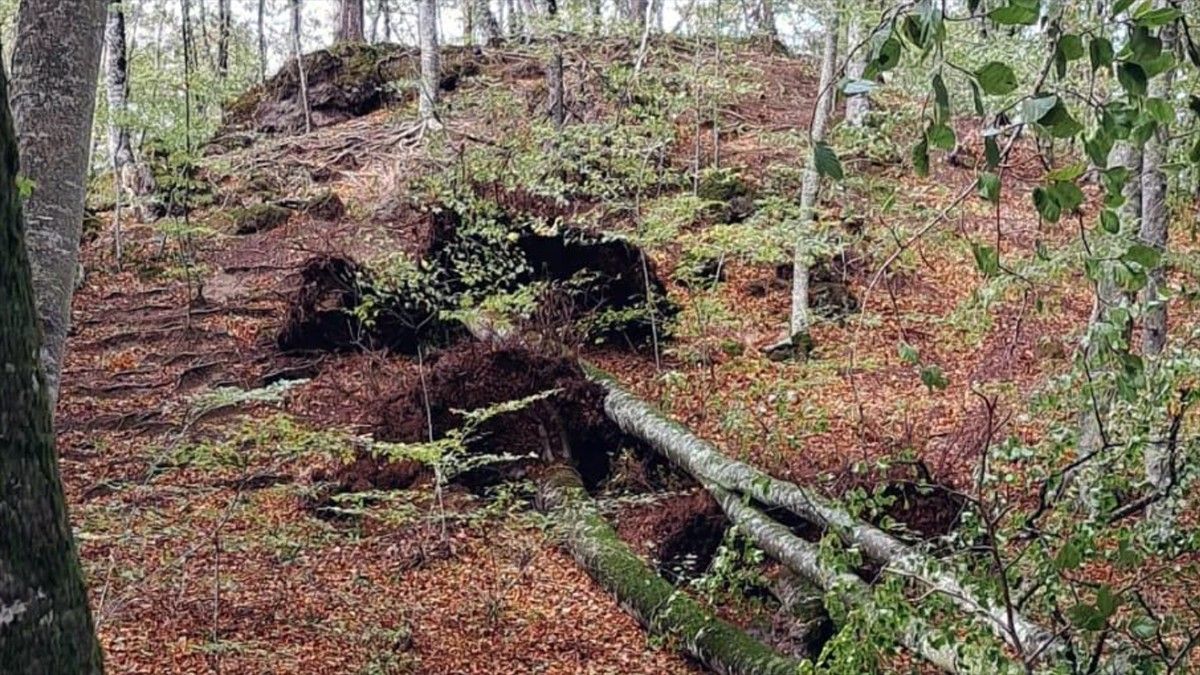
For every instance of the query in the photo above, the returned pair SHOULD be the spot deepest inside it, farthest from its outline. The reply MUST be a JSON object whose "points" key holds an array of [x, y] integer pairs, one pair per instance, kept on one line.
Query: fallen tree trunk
{"points": [[803, 558], [708, 465], [654, 602]]}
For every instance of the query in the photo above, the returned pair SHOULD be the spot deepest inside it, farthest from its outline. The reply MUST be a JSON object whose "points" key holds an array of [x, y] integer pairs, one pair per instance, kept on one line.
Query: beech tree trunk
{"points": [[56, 62], [117, 87], [654, 602], [706, 463], [350, 21], [430, 61], [859, 105], [810, 190], [262, 40], [45, 623]]}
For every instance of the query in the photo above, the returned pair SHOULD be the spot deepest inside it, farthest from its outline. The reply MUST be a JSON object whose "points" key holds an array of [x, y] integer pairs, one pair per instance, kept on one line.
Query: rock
{"points": [[258, 218]]}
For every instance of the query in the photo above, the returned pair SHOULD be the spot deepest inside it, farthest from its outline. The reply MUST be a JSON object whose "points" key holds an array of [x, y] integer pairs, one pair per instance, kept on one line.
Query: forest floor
{"points": [[194, 505]]}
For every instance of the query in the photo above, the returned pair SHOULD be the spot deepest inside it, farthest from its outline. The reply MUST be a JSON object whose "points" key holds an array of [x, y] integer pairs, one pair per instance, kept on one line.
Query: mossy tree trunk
{"points": [[663, 609], [45, 623], [705, 462]]}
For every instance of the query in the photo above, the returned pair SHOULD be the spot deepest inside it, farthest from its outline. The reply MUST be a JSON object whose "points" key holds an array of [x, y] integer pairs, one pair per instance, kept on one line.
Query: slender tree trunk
{"points": [[486, 21], [554, 71], [262, 40], [430, 62], [387, 20], [56, 62], [224, 28], [350, 21], [117, 87], [1158, 459], [859, 105], [514, 18], [298, 55], [810, 189], [766, 20], [45, 623]]}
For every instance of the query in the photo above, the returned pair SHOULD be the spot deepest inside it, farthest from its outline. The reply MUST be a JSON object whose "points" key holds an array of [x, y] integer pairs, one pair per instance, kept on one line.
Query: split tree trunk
{"points": [[654, 602], [56, 62], [45, 623], [706, 463]]}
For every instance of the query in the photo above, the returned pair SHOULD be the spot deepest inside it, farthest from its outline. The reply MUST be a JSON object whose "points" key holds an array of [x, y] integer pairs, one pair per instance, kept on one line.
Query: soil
{"points": [[681, 534]]}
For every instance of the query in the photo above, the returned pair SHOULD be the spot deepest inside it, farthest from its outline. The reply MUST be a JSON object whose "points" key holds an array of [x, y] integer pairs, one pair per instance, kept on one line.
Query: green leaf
{"points": [[1068, 557], [1161, 110], [1143, 45], [1067, 194], [1046, 205], [976, 98], [1071, 46], [991, 152], [888, 56], [827, 162], [1086, 617], [1120, 6], [1106, 601], [933, 378], [987, 259], [941, 97], [996, 78], [1194, 153], [989, 187], [1132, 78], [940, 136], [1143, 627], [1068, 172], [920, 157], [1100, 51], [1035, 109], [1014, 15], [909, 354], [1156, 17], [1059, 122], [1109, 221], [1145, 256]]}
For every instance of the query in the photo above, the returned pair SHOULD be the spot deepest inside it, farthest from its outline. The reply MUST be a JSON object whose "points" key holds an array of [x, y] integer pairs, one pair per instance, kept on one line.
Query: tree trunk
{"points": [[45, 623], [117, 87], [804, 558], [350, 21], [298, 55], [810, 189], [262, 40], [1158, 458], [489, 28], [554, 70], [654, 602], [430, 61], [859, 105], [224, 28], [56, 62], [706, 463], [765, 18]]}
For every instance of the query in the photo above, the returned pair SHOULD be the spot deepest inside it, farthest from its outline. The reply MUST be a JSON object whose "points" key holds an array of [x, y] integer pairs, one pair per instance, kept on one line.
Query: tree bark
{"points": [[350, 21], [489, 28], [298, 55], [262, 40], [56, 62], [859, 105], [45, 623], [430, 61], [706, 463], [765, 18], [117, 87], [810, 188], [642, 593], [224, 28], [554, 70]]}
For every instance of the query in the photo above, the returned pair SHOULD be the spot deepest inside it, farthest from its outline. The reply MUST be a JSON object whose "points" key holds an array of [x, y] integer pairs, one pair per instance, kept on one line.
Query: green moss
{"points": [[258, 218]]}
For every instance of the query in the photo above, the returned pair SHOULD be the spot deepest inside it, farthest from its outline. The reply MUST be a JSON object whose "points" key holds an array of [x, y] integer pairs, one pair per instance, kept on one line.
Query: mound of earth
{"points": [[327, 313], [568, 425], [345, 81]]}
